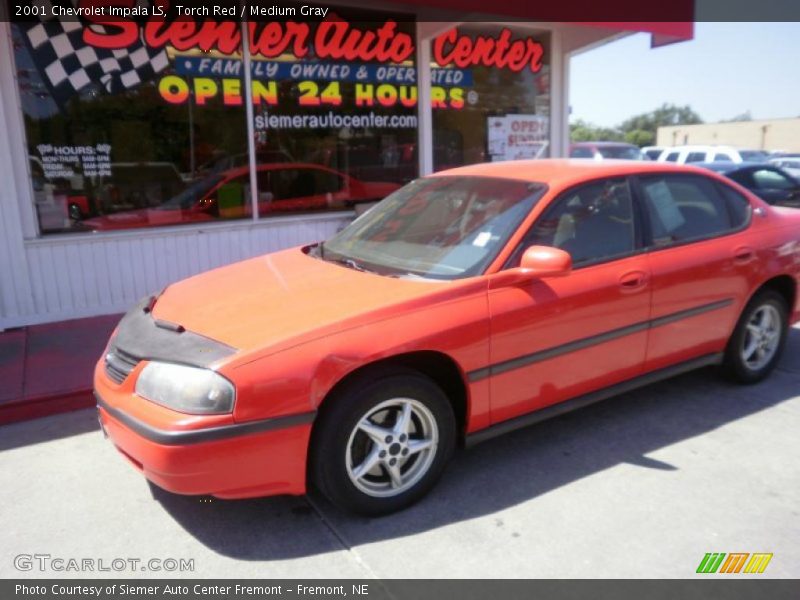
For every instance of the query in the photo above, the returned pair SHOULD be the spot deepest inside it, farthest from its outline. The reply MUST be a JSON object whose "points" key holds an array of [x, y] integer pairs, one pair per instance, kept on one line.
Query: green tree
{"points": [[643, 127], [639, 130], [640, 137], [745, 116], [581, 131]]}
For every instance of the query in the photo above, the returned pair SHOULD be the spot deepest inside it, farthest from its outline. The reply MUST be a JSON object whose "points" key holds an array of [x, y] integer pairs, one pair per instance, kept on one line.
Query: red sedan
{"points": [[467, 304], [282, 187]]}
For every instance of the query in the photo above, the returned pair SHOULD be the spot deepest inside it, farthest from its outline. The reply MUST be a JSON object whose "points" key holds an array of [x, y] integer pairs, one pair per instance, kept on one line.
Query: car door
{"points": [[556, 338], [702, 261], [305, 188]]}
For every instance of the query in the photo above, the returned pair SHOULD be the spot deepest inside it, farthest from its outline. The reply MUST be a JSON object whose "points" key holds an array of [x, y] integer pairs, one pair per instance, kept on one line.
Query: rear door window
{"points": [[738, 206], [672, 156], [682, 208], [696, 157]]}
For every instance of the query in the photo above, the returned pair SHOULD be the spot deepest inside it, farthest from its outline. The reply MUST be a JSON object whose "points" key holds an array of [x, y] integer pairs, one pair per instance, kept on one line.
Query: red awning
{"points": [[663, 32], [668, 22]]}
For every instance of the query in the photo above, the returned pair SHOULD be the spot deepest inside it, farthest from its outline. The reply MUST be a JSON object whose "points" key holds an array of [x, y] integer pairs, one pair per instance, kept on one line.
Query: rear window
{"points": [[581, 153], [621, 152]]}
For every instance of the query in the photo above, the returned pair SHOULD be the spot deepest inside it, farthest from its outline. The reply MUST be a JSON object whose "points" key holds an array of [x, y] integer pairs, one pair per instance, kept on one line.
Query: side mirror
{"points": [[545, 261], [537, 262]]}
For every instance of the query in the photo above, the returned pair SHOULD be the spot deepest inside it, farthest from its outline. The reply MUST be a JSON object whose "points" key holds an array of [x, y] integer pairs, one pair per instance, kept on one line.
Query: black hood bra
{"points": [[142, 337]]}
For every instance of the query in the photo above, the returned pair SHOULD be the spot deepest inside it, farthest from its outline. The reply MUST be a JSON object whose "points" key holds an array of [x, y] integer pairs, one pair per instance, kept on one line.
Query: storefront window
{"points": [[141, 124], [491, 95], [344, 114], [117, 139]]}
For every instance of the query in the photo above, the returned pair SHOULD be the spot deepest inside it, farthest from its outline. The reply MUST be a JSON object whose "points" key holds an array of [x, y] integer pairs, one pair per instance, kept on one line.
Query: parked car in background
{"points": [[653, 152], [790, 164], [770, 183], [226, 162], [136, 185], [604, 150], [467, 304], [282, 187], [697, 154]]}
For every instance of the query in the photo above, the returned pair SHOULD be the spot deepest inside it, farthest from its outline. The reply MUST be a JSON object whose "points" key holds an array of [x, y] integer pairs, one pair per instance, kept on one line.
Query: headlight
{"points": [[186, 389]]}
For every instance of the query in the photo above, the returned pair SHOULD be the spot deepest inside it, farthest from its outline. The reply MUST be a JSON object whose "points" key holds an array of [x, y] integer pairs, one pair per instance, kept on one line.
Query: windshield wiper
{"points": [[350, 263]]}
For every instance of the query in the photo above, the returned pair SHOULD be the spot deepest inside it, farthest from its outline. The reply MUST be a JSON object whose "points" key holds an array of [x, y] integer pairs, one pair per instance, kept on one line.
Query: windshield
{"points": [[437, 227], [624, 152], [191, 195]]}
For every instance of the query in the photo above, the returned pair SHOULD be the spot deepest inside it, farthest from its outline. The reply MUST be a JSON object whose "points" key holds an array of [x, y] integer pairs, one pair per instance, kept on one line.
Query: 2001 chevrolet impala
{"points": [[466, 304]]}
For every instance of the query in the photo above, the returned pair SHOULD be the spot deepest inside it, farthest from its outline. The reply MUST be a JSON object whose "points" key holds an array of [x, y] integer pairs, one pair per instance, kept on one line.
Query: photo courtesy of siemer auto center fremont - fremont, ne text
{"points": [[413, 299]]}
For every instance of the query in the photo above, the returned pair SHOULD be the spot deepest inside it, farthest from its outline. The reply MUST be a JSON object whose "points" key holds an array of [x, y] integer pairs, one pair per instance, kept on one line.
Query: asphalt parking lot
{"points": [[642, 485]]}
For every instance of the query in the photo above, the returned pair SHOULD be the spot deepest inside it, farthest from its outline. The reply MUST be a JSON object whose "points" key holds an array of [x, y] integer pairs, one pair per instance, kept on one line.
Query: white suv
{"points": [[693, 154]]}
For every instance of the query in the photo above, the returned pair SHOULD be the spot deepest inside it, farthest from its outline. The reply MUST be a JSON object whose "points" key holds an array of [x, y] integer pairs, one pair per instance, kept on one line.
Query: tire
{"points": [[363, 458], [757, 343]]}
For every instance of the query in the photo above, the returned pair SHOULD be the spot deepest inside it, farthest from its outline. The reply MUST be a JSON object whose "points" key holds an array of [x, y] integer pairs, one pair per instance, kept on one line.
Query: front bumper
{"points": [[239, 460]]}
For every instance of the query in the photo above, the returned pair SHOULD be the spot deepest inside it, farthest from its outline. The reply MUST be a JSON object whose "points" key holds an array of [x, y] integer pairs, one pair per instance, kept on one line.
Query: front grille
{"points": [[119, 364]]}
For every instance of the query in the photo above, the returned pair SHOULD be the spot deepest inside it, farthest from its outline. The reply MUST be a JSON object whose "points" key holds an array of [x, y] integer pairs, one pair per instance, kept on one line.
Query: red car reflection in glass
{"points": [[283, 187]]}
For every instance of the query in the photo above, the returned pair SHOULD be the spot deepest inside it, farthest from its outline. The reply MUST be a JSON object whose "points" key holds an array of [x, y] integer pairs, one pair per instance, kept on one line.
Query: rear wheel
{"points": [[757, 342], [382, 443]]}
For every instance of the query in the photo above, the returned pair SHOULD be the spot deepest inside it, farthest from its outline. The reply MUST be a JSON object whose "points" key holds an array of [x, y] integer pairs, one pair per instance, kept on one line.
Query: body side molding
{"points": [[566, 406]]}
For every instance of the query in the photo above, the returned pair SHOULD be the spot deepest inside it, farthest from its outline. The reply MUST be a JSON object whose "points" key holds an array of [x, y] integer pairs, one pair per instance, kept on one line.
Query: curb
{"points": [[44, 406]]}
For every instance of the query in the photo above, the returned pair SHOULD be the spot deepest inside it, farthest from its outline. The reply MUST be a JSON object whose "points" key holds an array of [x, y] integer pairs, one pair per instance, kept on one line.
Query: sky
{"points": [[726, 70]]}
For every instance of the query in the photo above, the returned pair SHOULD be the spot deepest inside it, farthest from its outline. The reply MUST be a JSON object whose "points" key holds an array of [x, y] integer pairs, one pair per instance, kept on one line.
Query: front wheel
{"points": [[381, 444], [757, 342]]}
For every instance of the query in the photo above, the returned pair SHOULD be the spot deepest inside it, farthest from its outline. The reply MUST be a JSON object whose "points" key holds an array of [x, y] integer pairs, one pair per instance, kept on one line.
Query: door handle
{"points": [[743, 255], [633, 280]]}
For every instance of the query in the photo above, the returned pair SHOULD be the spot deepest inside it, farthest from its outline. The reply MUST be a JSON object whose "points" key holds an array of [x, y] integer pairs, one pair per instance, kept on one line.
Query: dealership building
{"points": [[775, 135], [137, 153]]}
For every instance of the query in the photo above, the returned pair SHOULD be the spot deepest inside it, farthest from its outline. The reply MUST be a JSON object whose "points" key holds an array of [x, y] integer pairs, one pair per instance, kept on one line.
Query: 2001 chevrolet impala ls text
{"points": [[466, 304]]}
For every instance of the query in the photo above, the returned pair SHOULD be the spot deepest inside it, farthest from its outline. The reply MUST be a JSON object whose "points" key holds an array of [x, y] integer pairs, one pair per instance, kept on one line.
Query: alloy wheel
{"points": [[392, 447], [762, 337]]}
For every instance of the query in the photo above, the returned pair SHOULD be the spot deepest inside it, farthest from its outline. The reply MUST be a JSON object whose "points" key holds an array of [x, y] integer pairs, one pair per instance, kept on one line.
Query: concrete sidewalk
{"points": [[47, 369]]}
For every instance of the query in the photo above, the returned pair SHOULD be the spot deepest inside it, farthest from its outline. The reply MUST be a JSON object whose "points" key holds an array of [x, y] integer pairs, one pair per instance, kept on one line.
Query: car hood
{"points": [[282, 299]]}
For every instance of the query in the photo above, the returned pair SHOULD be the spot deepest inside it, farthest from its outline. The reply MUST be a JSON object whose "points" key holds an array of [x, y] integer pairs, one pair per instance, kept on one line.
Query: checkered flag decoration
{"points": [[68, 65]]}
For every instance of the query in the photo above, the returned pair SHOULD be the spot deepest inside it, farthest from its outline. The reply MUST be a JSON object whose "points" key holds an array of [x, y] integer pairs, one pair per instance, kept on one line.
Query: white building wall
{"points": [[16, 299], [72, 277]]}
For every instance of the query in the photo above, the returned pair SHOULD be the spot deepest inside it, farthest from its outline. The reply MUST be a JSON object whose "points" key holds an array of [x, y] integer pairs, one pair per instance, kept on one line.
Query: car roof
{"points": [[603, 144], [704, 148], [559, 172], [724, 166], [238, 171]]}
